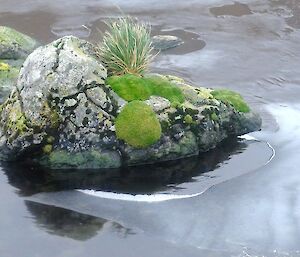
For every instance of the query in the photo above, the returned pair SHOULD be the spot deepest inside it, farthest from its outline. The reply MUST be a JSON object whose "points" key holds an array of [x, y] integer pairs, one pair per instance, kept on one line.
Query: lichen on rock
{"points": [[65, 113]]}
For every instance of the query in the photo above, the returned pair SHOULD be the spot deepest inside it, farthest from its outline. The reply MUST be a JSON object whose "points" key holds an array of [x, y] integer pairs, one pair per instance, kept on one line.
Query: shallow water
{"points": [[233, 201]]}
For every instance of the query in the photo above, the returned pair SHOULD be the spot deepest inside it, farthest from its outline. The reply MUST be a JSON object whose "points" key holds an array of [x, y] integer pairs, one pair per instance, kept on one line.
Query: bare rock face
{"points": [[63, 115]]}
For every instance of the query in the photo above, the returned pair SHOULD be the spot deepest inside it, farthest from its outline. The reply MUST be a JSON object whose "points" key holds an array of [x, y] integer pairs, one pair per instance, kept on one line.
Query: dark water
{"points": [[233, 201]]}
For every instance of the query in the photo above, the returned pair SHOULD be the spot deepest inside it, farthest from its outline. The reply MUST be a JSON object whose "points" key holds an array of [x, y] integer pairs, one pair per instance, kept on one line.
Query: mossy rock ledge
{"points": [[64, 114], [14, 48]]}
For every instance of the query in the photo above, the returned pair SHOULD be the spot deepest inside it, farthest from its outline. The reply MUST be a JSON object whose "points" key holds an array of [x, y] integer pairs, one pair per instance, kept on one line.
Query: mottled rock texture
{"points": [[62, 114]]}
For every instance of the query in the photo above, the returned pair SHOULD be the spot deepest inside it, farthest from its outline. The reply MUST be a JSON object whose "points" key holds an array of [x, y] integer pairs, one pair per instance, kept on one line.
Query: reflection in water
{"points": [[258, 211], [71, 224], [140, 179]]}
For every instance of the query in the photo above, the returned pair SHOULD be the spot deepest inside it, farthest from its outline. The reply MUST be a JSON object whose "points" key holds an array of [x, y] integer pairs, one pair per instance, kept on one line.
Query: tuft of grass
{"points": [[232, 98], [126, 47], [131, 87], [138, 125]]}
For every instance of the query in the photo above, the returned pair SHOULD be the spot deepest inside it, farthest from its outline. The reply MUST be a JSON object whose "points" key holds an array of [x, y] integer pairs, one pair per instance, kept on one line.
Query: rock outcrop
{"points": [[14, 48], [63, 114]]}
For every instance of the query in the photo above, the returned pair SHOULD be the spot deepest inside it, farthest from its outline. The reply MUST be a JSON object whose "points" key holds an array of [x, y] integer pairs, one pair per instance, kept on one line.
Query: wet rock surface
{"points": [[62, 114], [164, 42]]}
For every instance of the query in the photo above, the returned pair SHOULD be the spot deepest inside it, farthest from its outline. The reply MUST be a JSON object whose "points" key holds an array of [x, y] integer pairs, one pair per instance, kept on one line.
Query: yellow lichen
{"points": [[47, 149], [4, 66]]}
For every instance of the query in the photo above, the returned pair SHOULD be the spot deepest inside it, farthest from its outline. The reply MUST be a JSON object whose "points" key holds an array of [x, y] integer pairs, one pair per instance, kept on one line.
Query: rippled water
{"points": [[238, 200]]}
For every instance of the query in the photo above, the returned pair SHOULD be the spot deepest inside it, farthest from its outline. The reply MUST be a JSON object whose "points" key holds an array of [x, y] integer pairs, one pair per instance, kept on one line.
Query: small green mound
{"points": [[138, 125], [233, 98], [131, 87]]}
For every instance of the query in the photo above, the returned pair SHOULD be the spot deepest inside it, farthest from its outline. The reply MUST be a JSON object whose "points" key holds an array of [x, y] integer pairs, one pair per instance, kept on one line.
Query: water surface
{"points": [[248, 206]]}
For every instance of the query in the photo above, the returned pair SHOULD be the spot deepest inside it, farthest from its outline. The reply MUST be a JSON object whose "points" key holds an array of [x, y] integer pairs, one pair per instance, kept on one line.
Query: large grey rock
{"points": [[61, 106], [62, 115]]}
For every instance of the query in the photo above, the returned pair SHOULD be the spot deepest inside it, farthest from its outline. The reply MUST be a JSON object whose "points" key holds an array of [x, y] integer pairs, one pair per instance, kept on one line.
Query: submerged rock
{"points": [[164, 42], [63, 114], [14, 48]]}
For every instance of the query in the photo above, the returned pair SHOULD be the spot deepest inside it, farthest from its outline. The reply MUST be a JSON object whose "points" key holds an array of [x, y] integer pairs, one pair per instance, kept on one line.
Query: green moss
{"points": [[161, 87], [188, 119], [131, 87], [138, 125], [233, 98]]}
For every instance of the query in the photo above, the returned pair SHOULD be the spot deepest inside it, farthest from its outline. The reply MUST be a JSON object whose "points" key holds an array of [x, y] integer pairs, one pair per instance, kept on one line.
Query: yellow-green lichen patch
{"points": [[188, 119], [7, 72], [131, 87], [214, 116], [232, 98], [49, 118], [204, 93], [17, 121], [4, 66], [138, 125], [47, 149], [12, 117], [50, 139]]}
